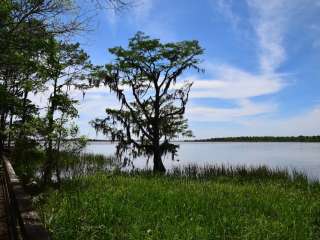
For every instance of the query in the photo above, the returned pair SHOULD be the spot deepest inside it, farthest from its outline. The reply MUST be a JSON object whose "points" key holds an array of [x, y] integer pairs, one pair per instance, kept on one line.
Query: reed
{"points": [[211, 202]]}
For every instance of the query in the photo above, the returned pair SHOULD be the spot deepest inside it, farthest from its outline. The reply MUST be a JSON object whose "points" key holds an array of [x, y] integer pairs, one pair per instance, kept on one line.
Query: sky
{"points": [[261, 61]]}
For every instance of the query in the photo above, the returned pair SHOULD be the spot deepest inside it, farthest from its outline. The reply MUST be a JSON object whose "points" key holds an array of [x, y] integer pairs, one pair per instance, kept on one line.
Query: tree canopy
{"points": [[37, 55]]}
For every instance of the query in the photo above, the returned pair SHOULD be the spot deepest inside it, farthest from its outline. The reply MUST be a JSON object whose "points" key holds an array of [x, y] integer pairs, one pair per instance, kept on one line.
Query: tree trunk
{"points": [[49, 163], [58, 170], [158, 166], [58, 175], [24, 115]]}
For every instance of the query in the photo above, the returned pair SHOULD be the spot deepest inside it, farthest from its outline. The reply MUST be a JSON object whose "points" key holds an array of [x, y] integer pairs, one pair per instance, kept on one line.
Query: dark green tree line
{"points": [[262, 139]]}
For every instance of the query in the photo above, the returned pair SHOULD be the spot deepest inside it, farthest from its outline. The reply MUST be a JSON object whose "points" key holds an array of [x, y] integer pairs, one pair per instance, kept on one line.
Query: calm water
{"points": [[301, 156]]}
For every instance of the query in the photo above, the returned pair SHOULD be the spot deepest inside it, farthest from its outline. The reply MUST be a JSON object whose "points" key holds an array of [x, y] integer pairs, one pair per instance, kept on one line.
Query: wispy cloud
{"points": [[142, 9], [315, 31], [143, 16], [234, 83], [139, 12], [155, 23], [245, 108], [302, 124], [269, 20], [225, 7]]}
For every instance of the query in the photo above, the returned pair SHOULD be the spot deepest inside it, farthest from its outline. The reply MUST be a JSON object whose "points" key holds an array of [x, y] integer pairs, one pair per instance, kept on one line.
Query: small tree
{"points": [[144, 79], [67, 66]]}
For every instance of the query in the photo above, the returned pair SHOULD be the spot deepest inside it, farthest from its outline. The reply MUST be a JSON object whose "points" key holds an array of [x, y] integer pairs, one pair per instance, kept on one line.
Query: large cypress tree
{"points": [[144, 78]]}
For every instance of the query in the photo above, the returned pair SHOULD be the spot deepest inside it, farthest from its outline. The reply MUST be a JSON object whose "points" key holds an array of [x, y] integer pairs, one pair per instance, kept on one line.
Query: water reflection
{"points": [[304, 157]]}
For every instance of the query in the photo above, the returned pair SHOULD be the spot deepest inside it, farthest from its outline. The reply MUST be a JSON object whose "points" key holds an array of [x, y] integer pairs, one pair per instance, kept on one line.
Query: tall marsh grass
{"points": [[68, 165], [75, 165], [211, 202]]}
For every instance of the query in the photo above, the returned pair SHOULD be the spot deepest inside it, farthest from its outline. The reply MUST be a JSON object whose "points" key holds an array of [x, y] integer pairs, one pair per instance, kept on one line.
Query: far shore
{"points": [[311, 139]]}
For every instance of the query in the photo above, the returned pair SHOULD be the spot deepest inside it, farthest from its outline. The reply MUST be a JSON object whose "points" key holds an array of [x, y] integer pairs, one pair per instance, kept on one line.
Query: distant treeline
{"points": [[261, 139]]}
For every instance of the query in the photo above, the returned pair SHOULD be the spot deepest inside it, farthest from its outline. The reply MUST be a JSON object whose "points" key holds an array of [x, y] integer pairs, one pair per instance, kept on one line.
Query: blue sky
{"points": [[261, 61]]}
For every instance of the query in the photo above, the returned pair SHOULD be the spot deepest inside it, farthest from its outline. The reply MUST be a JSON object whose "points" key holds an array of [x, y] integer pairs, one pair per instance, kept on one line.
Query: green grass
{"points": [[189, 204]]}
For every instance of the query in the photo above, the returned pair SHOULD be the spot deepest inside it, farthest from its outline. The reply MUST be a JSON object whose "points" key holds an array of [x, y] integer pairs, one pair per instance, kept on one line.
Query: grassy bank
{"points": [[216, 203]]}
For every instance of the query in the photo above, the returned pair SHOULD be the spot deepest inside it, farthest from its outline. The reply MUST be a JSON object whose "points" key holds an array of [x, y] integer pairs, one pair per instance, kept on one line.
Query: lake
{"points": [[304, 157]]}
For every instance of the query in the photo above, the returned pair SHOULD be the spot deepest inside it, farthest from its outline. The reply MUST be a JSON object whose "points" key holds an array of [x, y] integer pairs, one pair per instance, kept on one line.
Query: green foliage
{"points": [[35, 57], [144, 78], [221, 206], [26, 30], [67, 66]]}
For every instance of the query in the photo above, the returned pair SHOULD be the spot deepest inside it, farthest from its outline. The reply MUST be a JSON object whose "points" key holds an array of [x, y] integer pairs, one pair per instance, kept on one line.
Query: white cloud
{"points": [[269, 19], [139, 12], [239, 86], [245, 108], [225, 6], [154, 23], [39, 99], [112, 17], [142, 9], [144, 17], [300, 124], [94, 105], [233, 83], [315, 31]]}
